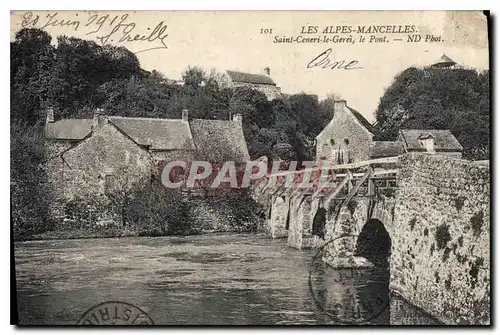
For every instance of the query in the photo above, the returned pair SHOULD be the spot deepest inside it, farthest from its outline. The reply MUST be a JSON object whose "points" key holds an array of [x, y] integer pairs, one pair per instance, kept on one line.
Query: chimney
{"points": [[185, 115], [238, 118], [98, 118], [338, 106], [267, 71], [50, 115]]}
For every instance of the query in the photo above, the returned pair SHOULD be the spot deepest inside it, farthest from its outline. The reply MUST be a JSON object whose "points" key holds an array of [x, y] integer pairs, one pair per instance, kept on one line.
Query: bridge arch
{"points": [[279, 217], [374, 242], [319, 222]]}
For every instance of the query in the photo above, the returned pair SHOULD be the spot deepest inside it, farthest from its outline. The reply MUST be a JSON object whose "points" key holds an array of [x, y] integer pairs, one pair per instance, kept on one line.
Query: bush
{"points": [[244, 209], [86, 212], [442, 236], [155, 211], [29, 189]]}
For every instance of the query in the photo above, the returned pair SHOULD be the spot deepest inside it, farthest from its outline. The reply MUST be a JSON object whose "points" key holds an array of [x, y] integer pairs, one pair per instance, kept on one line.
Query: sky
{"points": [[240, 40]]}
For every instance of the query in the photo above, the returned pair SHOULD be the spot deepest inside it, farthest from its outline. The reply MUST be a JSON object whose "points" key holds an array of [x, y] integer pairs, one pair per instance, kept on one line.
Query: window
{"points": [[346, 141], [109, 183], [332, 142]]}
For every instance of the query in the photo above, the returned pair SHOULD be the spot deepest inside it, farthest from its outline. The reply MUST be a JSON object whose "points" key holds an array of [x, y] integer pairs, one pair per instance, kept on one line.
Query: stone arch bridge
{"points": [[430, 212], [309, 216]]}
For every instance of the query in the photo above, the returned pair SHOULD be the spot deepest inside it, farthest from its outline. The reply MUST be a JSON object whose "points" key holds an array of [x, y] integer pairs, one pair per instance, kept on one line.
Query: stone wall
{"points": [[219, 214], [107, 152], [55, 167], [440, 238], [162, 157]]}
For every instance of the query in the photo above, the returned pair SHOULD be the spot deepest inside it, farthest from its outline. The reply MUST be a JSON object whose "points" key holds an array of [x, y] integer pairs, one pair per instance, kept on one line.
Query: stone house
{"points": [[346, 138], [431, 141], [91, 157], [260, 82]]}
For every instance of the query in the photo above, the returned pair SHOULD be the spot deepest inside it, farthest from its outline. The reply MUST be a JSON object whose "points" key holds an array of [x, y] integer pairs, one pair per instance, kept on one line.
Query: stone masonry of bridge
{"points": [[438, 221]]}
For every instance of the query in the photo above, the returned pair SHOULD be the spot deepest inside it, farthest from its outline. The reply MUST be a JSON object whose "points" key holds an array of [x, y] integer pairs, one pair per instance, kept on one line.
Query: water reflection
{"points": [[351, 296], [222, 279]]}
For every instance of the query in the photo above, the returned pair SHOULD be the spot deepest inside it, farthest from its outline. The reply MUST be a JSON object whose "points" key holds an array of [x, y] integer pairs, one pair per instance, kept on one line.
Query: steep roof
{"points": [[444, 61], [342, 104], [68, 129], [362, 119], [443, 139], [214, 140], [381, 149], [242, 77], [219, 141], [159, 134]]}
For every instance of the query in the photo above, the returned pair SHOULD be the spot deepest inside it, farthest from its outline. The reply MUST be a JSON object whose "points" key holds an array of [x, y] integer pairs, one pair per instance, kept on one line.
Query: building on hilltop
{"points": [[260, 82], [444, 62], [90, 156]]}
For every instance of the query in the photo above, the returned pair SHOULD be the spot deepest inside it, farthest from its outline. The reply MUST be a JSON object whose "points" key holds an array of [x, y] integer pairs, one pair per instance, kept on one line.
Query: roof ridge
{"points": [[211, 120], [141, 118], [72, 120], [252, 78], [422, 129]]}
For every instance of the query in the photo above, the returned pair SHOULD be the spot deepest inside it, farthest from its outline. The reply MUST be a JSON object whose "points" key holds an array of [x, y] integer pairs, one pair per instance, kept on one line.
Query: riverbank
{"points": [[114, 232], [163, 215]]}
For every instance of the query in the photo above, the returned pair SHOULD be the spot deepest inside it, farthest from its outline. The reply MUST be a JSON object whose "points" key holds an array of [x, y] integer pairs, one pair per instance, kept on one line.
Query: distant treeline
{"points": [[77, 76]]}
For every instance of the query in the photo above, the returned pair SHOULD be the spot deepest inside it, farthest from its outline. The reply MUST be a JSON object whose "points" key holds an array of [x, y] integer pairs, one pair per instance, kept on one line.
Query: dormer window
{"points": [[427, 141]]}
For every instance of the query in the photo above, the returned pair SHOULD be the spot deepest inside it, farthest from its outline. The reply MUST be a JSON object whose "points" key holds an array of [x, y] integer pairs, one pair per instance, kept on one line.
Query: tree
{"points": [[32, 61], [430, 98], [305, 109], [193, 77], [81, 66], [65, 77]]}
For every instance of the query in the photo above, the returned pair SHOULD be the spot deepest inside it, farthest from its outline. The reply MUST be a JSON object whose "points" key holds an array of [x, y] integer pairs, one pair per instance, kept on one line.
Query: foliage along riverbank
{"points": [[152, 211]]}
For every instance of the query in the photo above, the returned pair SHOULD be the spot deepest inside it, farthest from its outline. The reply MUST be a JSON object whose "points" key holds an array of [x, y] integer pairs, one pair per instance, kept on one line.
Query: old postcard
{"points": [[250, 168]]}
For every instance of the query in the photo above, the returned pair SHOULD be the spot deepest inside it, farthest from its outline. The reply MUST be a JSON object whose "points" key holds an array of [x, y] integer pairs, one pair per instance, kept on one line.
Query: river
{"points": [[212, 279]]}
